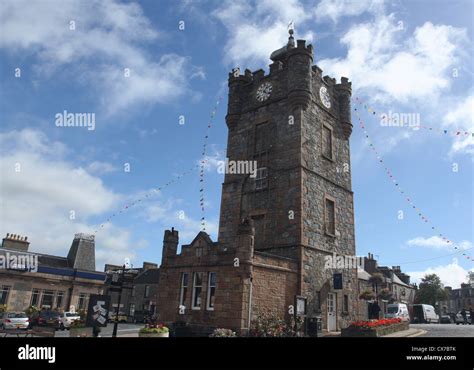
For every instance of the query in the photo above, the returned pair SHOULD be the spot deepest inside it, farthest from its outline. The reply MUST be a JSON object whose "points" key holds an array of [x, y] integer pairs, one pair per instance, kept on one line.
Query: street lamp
{"points": [[119, 281]]}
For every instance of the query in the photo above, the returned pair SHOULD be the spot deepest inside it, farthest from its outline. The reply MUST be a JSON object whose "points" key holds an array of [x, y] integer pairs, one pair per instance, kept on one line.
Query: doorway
{"points": [[331, 306]]}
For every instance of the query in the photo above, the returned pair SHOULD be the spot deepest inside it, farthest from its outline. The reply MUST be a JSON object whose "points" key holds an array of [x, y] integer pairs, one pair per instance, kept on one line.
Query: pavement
{"points": [[411, 332]]}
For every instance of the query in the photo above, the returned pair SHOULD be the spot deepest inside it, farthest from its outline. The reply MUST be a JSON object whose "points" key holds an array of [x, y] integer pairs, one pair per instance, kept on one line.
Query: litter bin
{"points": [[314, 326]]}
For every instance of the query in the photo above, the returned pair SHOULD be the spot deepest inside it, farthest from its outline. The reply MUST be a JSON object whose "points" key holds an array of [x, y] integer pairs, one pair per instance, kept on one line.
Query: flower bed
{"points": [[154, 331], [374, 328]]}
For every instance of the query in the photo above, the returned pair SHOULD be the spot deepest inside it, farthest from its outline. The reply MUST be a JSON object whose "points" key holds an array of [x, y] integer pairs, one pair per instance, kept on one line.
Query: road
{"points": [[445, 330], [124, 330]]}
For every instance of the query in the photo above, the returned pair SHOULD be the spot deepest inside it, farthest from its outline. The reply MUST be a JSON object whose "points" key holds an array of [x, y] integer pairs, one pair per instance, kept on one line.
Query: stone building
{"points": [[458, 299], [279, 225], [395, 282], [53, 282], [139, 290]]}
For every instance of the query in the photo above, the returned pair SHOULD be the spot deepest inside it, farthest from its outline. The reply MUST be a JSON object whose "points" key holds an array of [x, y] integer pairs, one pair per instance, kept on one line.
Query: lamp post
{"points": [[120, 281]]}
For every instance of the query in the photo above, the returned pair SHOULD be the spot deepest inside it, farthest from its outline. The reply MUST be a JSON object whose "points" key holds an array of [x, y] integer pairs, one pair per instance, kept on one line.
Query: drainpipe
{"points": [[250, 304]]}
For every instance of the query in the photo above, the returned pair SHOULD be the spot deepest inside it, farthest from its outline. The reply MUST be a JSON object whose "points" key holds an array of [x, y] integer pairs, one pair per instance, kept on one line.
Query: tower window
{"points": [[261, 180], [259, 225], [327, 142], [262, 138], [330, 210]]}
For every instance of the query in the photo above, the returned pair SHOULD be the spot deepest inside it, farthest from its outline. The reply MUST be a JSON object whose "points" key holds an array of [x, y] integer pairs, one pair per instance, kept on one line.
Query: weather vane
{"points": [[291, 27]]}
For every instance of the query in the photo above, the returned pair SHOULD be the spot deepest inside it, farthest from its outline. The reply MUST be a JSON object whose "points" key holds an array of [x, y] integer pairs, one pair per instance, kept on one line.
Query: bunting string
{"points": [[151, 193], [396, 183], [203, 165], [453, 132]]}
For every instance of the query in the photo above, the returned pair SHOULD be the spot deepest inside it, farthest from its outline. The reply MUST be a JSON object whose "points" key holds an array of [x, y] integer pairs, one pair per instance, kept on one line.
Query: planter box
{"points": [[154, 335], [374, 332], [80, 332]]}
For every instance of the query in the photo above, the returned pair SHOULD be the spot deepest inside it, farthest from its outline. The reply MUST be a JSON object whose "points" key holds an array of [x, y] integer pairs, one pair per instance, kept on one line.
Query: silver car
{"points": [[14, 320], [460, 319], [67, 318]]}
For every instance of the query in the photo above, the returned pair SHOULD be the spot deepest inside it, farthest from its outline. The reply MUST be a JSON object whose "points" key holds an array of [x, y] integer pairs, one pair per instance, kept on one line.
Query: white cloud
{"points": [[437, 243], [99, 167], [37, 201], [462, 118], [168, 213], [451, 275], [257, 29], [336, 9], [389, 65], [108, 37]]}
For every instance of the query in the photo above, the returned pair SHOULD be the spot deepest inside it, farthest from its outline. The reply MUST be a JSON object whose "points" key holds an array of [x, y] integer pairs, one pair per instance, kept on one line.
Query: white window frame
{"points": [[195, 274], [261, 179], [181, 290], [209, 286], [147, 291], [60, 294]]}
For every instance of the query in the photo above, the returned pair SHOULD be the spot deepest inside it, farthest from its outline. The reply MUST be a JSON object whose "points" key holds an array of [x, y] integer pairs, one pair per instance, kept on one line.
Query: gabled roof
{"points": [[362, 274]]}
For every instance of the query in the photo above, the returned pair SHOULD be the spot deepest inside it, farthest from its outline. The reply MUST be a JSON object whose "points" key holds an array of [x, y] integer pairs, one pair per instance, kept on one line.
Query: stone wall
{"points": [[275, 283]]}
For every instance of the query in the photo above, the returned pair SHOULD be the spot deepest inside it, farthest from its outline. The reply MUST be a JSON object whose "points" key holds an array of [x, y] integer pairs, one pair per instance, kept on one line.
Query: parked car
{"points": [[397, 310], [14, 320], [120, 318], [67, 318], [446, 319], [460, 319], [47, 318], [424, 313]]}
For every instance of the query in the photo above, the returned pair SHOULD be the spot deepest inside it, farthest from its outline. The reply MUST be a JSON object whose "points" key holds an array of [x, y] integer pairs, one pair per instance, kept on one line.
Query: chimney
{"points": [[170, 245], [370, 265], [81, 255], [16, 242]]}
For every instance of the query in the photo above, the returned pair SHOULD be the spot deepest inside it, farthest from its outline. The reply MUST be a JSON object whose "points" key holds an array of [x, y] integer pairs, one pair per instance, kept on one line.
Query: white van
{"points": [[424, 313], [397, 311]]}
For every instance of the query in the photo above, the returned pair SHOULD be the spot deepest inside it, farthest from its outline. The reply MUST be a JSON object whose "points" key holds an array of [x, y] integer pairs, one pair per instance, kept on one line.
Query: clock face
{"points": [[264, 91], [324, 96]]}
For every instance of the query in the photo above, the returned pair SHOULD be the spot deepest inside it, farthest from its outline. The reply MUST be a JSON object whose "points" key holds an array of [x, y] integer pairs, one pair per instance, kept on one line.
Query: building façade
{"points": [[278, 226]]}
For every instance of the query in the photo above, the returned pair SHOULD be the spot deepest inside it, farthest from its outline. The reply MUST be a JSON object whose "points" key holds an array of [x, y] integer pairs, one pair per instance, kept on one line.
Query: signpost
{"points": [[98, 310]]}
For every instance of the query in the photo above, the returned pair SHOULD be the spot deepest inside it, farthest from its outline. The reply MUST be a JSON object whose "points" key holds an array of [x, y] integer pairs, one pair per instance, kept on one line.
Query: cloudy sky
{"points": [[139, 66]]}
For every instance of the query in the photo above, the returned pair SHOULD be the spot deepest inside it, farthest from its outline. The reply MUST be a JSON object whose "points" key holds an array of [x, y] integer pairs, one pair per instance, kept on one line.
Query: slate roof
{"points": [[150, 276]]}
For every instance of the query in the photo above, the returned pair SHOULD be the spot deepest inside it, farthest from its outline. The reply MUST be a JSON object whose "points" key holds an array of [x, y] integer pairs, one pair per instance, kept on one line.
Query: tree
{"points": [[376, 279], [430, 290]]}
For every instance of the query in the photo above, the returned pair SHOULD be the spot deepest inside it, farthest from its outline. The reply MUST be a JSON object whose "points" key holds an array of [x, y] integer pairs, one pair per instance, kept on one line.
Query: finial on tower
{"points": [[291, 31]]}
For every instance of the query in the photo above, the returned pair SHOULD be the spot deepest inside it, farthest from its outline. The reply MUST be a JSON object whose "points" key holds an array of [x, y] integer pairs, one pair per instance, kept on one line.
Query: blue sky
{"points": [[405, 57]]}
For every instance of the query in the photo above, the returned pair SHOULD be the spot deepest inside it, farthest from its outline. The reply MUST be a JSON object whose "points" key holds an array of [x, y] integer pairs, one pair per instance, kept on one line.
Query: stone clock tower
{"points": [[295, 125]]}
